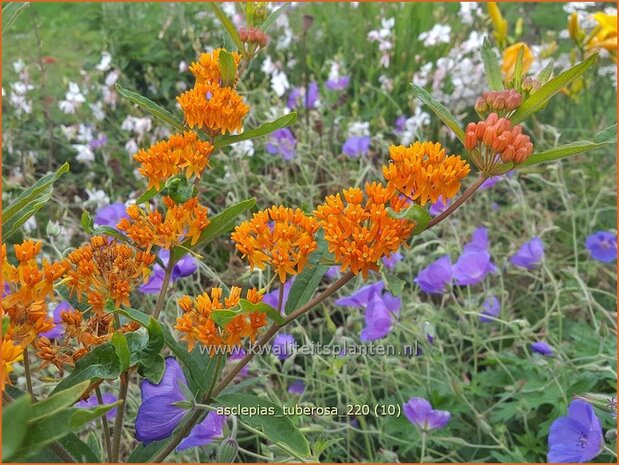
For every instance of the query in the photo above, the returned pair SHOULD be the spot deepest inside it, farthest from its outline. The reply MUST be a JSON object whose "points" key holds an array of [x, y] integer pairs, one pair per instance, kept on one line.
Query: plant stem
{"points": [[423, 446], [28, 374], [164, 288], [280, 298], [120, 412], [463, 198], [106, 426]]}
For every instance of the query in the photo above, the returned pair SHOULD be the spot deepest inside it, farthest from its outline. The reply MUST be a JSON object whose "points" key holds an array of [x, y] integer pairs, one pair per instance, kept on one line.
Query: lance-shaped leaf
{"points": [[394, 284], [58, 401], [262, 130], [271, 313], [541, 96], [10, 12], [151, 107], [146, 196], [415, 213], [439, 110], [545, 74], [305, 284], [29, 202], [100, 363], [227, 68], [15, 420], [491, 66], [273, 16], [518, 68], [232, 32], [219, 225]]}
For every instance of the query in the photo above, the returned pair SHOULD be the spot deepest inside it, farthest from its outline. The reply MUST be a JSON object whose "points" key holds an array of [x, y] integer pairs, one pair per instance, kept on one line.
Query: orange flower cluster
{"points": [[180, 153], [280, 237], [500, 140], [149, 227], [206, 69], [27, 287], [211, 105], [197, 323], [498, 101], [423, 172], [106, 269], [360, 230]]}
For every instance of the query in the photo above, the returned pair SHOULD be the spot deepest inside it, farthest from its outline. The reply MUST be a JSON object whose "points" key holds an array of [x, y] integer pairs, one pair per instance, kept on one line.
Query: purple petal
{"points": [[272, 298], [479, 241], [204, 432], [283, 345], [439, 206], [492, 308], [154, 283], [437, 419], [169, 385], [186, 266], [417, 410], [542, 348], [337, 84], [602, 246], [297, 387], [356, 146], [378, 320], [92, 402], [529, 255], [110, 215], [361, 297], [157, 418], [391, 261], [472, 267], [435, 277]]}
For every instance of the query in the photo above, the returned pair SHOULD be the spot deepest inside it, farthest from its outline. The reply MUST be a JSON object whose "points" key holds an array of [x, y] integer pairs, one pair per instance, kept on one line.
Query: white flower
{"points": [[142, 125], [573, 7], [73, 99], [21, 88], [19, 66], [69, 131], [21, 104], [131, 146], [182, 67], [112, 77], [104, 64], [279, 83], [439, 34], [359, 128], [84, 154], [85, 134], [413, 125], [386, 83], [30, 225], [267, 66], [468, 12], [243, 148], [97, 111], [97, 197]]}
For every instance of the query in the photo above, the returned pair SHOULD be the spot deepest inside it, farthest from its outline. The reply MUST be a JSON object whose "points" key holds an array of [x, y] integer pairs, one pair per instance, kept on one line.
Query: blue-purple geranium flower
{"points": [[530, 254], [356, 146], [93, 402], [298, 96], [283, 345], [435, 277], [159, 415], [297, 387], [602, 246], [439, 206], [339, 83], [542, 348], [577, 437], [272, 298], [58, 329], [421, 414], [110, 215], [283, 143], [186, 266], [391, 261], [492, 308]]}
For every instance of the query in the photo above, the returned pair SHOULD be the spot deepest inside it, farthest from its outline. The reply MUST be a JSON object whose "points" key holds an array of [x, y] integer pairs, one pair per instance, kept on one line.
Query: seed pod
{"points": [[228, 450]]}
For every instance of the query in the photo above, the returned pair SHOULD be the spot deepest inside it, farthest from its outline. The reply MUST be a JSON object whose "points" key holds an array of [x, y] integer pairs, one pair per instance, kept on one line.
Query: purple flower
{"points": [[479, 241], [491, 181], [158, 416], [297, 387], [379, 315], [337, 84], [602, 246], [186, 266], [110, 215], [576, 437], [439, 206], [58, 329], [542, 348], [420, 413], [400, 124], [98, 142], [294, 98], [362, 296], [356, 146], [272, 298], [434, 278], [392, 260], [472, 267], [282, 142], [333, 272], [283, 345], [237, 353], [312, 95], [93, 402], [492, 308], [529, 255], [6, 289]]}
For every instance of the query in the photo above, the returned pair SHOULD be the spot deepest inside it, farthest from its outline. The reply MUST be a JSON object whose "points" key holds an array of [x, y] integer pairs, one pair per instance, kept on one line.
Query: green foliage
{"points": [[491, 66], [230, 28], [439, 110], [262, 130], [151, 107]]}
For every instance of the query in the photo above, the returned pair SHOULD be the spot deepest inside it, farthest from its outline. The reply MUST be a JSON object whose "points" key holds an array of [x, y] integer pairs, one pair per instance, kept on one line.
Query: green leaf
{"points": [[144, 454], [119, 341], [29, 202], [223, 317], [82, 452], [273, 17], [263, 129], [539, 99], [232, 32], [517, 79], [87, 222], [271, 313], [278, 428], [415, 213], [146, 196], [58, 401], [219, 225], [545, 74], [15, 420], [305, 284], [179, 189], [109, 231], [491, 66], [394, 284], [10, 12], [6, 321], [152, 108], [227, 68], [606, 136], [439, 110], [100, 363]]}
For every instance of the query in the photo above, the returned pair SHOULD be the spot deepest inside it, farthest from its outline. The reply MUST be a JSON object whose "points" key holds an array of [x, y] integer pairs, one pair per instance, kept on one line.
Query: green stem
{"points": [[106, 426], [120, 413], [28, 374], [164, 288], [423, 446]]}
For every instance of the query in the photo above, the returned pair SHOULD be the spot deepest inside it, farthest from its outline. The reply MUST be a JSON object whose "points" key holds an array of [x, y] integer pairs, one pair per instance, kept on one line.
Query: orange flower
{"points": [[510, 56], [285, 244], [359, 230], [206, 69], [215, 109], [11, 353], [106, 269], [423, 172], [149, 227], [198, 321], [180, 153]]}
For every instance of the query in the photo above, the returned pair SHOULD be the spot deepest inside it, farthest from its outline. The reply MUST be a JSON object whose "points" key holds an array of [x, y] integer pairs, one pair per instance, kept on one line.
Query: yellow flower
{"points": [[500, 24], [11, 353], [510, 55], [576, 33], [605, 34]]}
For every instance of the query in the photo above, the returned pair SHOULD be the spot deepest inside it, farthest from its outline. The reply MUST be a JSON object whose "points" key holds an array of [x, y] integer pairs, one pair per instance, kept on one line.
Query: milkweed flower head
{"points": [[201, 322], [182, 221], [206, 69], [501, 102], [283, 244], [422, 172], [359, 229], [11, 353], [495, 140], [181, 153]]}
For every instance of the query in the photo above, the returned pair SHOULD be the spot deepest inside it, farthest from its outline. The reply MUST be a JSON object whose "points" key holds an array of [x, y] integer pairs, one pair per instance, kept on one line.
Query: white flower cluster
{"points": [[18, 97], [384, 37]]}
